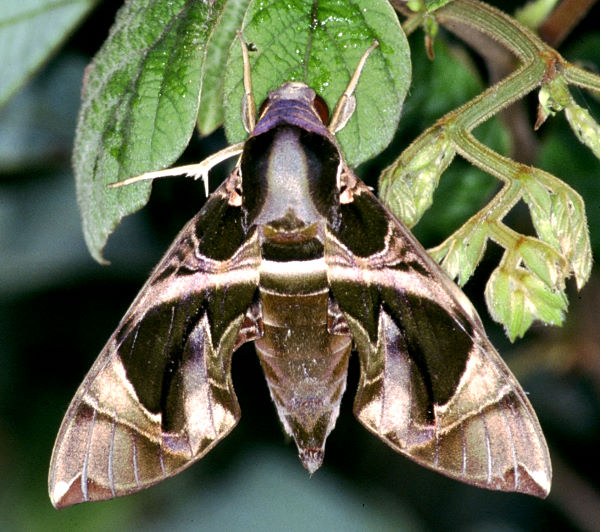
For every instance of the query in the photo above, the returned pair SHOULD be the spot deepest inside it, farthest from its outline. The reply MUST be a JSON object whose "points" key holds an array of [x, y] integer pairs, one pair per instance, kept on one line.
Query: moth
{"points": [[294, 253]]}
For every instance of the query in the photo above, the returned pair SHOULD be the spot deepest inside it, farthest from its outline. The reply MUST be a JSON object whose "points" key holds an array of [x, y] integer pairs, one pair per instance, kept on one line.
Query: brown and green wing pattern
{"points": [[160, 395], [432, 385]]}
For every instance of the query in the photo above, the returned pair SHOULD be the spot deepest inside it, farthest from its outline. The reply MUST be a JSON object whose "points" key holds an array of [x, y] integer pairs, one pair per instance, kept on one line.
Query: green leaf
{"points": [[539, 200], [30, 30], [584, 126], [569, 217], [533, 13], [462, 253], [211, 113], [407, 185], [516, 297], [426, 5], [139, 107], [544, 261], [432, 5], [320, 44], [558, 214], [563, 155]]}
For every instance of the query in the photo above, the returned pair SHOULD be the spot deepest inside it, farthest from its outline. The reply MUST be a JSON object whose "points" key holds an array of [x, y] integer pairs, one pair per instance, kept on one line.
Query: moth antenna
{"points": [[198, 170], [347, 102], [248, 103]]}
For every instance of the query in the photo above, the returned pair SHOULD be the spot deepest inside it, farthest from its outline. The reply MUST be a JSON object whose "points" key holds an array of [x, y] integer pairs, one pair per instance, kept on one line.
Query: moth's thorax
{"points": [[289, 171], [287, 176]]}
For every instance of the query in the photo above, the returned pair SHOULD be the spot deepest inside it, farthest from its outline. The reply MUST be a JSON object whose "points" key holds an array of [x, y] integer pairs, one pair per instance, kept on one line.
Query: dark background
{"points": [[58, 307]]}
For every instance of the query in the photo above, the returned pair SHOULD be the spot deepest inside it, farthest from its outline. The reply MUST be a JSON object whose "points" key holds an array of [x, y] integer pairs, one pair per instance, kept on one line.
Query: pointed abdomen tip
{"points": [[312, 459]]}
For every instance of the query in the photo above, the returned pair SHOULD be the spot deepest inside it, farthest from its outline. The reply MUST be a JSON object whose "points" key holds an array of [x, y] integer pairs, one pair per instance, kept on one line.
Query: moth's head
{"points": [[294, 103]]}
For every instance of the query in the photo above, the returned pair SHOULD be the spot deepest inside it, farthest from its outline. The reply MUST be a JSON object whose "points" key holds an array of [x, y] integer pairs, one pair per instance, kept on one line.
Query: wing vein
{"points": [[503, 406], [136, 471], [111, 457], [86, 459], [488, 448], [161, 457], [207, 345], [464, 449]]}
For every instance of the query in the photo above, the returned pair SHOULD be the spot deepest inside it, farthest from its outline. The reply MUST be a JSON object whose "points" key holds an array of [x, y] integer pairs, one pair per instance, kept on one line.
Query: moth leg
{"points": [[252, 325], [336, 322], [198, 170], [248, 103], [347, 102]]}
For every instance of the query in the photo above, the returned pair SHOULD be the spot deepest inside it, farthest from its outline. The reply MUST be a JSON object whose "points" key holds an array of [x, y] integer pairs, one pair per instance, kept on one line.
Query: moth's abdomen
{"points": [[305, 365]]}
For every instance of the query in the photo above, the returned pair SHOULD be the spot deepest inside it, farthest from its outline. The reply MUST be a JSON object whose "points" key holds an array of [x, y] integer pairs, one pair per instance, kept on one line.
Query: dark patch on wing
{"points": [[411, 266], [225, 304], [363, 225], [360, 301], [438, 342], [220, 230], [152, 351], [217, 229]]}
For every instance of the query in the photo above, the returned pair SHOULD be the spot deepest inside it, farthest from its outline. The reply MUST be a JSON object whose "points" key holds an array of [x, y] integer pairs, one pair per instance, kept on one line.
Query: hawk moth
{"points": [[294, 253]]}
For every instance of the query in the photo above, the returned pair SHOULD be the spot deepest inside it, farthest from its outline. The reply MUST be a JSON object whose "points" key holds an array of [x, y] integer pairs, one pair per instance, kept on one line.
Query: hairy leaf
{"points": [[320, 45], [139, 108]]}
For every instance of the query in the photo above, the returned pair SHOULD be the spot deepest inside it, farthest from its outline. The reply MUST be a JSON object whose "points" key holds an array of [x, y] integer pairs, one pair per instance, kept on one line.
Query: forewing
{"points": [[432, 385], [160, 395]]}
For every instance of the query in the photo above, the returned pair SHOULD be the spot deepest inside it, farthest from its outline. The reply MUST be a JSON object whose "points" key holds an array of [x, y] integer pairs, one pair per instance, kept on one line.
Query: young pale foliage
{"points": [[529, 283]]}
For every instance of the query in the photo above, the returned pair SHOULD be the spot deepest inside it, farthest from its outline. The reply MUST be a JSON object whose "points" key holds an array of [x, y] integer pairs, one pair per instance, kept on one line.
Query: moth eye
{"points": [[322, 109]]}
